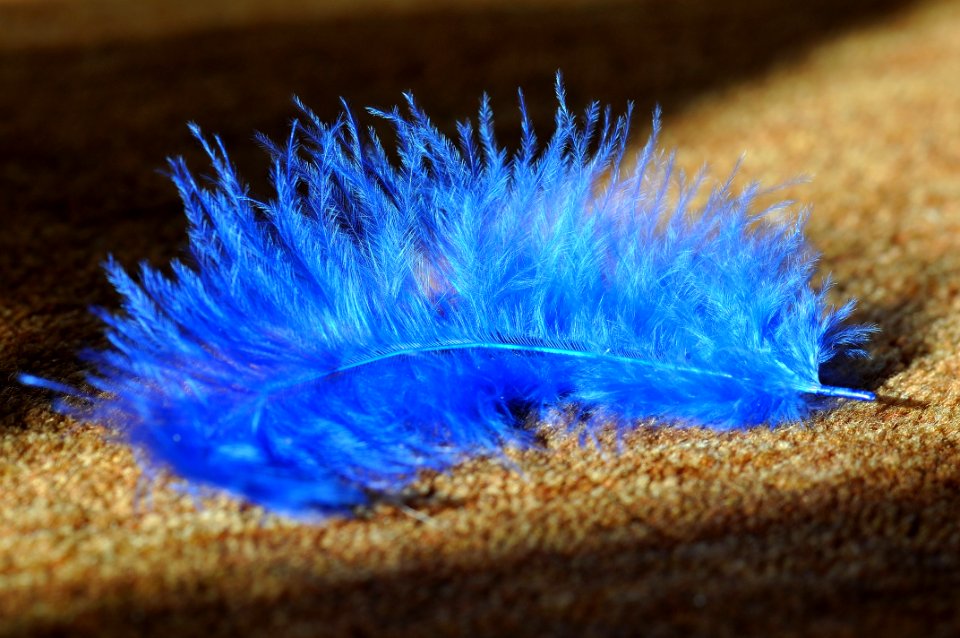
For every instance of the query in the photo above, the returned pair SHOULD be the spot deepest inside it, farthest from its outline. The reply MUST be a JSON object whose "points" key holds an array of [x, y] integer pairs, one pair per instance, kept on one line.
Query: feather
{"points": [[382, 315]]}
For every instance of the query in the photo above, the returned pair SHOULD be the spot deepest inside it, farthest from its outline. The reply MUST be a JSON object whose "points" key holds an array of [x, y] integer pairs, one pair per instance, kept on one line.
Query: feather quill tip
{"points": [[380, 315]]}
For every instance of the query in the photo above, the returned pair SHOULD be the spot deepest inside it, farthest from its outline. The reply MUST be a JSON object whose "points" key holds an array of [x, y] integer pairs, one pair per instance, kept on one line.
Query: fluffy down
{"points": [[386, 314]]}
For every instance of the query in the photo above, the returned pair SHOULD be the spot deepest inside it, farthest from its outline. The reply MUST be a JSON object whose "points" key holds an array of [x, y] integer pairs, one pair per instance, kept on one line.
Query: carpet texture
{"points": [[846, 525]]}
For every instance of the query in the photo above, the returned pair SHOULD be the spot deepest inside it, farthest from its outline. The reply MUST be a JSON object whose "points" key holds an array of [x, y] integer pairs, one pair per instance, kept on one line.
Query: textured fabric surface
{"points": [[845, 525]]}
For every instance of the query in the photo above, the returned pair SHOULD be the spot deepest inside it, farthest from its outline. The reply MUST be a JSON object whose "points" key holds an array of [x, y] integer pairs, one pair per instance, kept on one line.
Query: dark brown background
{"points": [[844, 526]]}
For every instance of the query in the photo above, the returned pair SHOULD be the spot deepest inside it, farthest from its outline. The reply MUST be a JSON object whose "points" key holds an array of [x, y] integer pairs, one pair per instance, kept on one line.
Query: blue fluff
{"points": [[379, 317]]}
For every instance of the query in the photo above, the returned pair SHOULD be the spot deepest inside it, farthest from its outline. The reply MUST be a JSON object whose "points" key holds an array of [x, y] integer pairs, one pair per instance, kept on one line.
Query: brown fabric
{"points": [[846, 525]]}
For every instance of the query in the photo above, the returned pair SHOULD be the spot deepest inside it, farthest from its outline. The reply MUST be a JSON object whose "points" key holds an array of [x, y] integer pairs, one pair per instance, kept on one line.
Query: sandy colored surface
{"points": [[844, 526]]}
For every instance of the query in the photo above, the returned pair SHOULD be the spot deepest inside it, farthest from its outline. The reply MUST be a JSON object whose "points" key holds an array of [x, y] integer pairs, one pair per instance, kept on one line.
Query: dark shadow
{"points": [[727, 573], [901, 325], [84, 129]]}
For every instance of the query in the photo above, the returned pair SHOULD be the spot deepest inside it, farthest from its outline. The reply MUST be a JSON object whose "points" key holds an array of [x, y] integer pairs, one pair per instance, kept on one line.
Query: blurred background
{"points": [[94, 94]]}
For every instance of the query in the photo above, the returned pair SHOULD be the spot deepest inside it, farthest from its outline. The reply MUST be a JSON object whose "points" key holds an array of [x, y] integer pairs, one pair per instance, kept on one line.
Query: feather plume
{"points": [[381, 315]]}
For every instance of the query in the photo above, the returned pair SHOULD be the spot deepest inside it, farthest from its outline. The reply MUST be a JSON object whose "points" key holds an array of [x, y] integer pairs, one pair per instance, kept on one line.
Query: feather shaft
{"points": [[822, 390], [845, 393]]}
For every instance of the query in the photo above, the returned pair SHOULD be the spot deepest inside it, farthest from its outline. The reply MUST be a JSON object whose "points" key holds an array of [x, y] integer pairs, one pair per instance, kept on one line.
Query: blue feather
{"points": [[382, 316]]}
